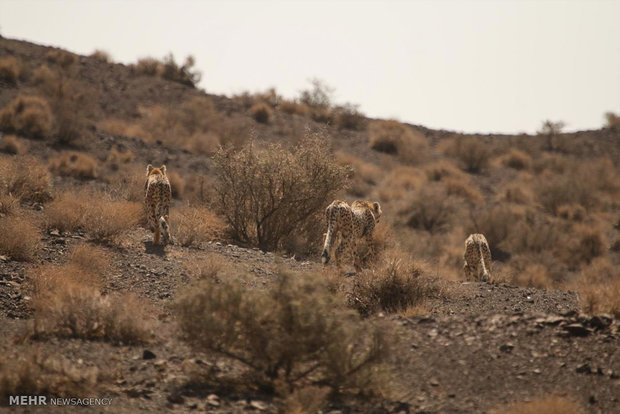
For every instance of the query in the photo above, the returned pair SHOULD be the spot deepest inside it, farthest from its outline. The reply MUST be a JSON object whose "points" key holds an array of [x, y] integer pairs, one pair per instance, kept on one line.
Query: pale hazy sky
{"points": [[473, 66]]}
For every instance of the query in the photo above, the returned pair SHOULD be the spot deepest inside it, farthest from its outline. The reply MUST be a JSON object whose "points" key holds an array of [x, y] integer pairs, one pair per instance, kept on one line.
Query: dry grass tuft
{"points": [[261, 112], [472, 154], [26, 179], [68, 302], [117, 157], [75, 164], [105, 220], [10, 144], [28, 115], [293, 108], [393, 137], [542, 405], [295, 333], [191, 226], [10, 69], [101, 56], [517, 160], [430, 208], [306, 400], [21, 238], [599, 288], [177, 184], [363, 176], [534, 275], [36, 373], [8, 205], [394, 285]]}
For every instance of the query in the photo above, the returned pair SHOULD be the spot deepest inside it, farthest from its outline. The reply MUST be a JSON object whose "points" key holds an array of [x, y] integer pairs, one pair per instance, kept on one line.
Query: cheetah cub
{"points": [[348, 224], [157, 203], [477, 258]]}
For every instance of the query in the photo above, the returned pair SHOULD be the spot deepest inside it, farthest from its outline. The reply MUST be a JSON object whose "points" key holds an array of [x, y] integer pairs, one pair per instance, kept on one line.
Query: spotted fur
{"points": [[477, 258], [157, 203], [346, 225]]}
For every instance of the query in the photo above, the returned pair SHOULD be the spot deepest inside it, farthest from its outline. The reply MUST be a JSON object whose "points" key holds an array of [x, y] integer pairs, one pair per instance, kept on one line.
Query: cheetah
{"points": [[157, 203], [477, 257], [348, 224]]}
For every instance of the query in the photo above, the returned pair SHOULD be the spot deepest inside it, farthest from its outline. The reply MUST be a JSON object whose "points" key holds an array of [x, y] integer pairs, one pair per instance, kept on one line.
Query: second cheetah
{"points": [[477, 257]]}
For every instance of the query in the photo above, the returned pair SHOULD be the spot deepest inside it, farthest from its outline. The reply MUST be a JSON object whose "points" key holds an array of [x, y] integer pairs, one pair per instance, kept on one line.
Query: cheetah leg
{"points": [[156, 235], [341, 249]]}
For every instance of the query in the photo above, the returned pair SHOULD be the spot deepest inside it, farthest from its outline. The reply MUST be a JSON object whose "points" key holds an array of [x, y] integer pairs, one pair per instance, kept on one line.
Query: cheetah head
{"points": [[150, 170]]}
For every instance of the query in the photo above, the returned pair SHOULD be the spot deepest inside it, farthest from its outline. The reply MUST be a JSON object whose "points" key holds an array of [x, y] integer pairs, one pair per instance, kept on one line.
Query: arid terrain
{"points": [[239, 314]]}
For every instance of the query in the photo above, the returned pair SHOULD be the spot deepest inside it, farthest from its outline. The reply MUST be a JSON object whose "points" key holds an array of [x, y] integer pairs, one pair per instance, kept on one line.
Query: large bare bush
{"points": [[267, 194], [28, 115], [393, 137], [296, 333], [472, 154]]}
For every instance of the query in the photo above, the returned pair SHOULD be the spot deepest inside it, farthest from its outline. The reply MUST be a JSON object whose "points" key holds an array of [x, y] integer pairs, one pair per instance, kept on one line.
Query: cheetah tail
{"points": [[329, 236]]}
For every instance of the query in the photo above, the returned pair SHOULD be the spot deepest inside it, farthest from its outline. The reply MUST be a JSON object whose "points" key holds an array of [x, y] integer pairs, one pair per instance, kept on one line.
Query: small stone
{"points": [[434, 382], [259, 405], [213, 400], [507, 347], [161, 365], [148, 354], [433, 333], [583, 369], [576, 329]]}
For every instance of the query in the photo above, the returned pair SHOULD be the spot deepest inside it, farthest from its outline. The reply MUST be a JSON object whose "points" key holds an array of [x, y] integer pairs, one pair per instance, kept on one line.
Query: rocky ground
{"points": [[479, 347]]}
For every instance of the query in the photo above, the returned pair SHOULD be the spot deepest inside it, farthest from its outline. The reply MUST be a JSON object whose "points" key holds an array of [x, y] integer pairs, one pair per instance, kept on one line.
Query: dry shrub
{"points": [[349, 117], [393, 137], [472, 154], [67, 212], [104, 219], [61, 58], [123, 128], [28, 115], [574, 212], [441, 170], [21, 238], [73, 101], [68, 303], [35, 373], [554, 163], [400, 183], [8, 205], [147, 66], [555, 190], [599, 288], [612, 121], [75, 164], [10, 69], [90, 259], [517, 159], [496, 222], [394, 285], [191, 226], [212, 267], [363, 175], [267, 194], [108, 220], [534, 275], [295, 333], [168, 69], [177, 184], [26, 179], [430, 208], [586, 243], [293, 108], [533, 232], [517, 193], [117, 157], [10, 144], [101, 56], [542, 405], [198, 188], [306, 400], [261, 112], [460, 187]]}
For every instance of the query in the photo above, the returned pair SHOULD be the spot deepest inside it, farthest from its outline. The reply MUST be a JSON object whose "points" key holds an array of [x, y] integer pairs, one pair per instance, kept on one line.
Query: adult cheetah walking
{"points": [[157, 203], [477, 257], [348, 224]]}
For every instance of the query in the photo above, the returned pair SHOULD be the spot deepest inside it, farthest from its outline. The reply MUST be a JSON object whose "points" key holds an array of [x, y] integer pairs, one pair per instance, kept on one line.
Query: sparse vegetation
{"points": [[75, 164], [168, 69], [267, 194], [26, 179], [22, 238], [392, 137], [395, 284], [10, 144], [10, 69], [261, 112], [27, 115], [191, 226], [296, 333], [471, 153]]}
